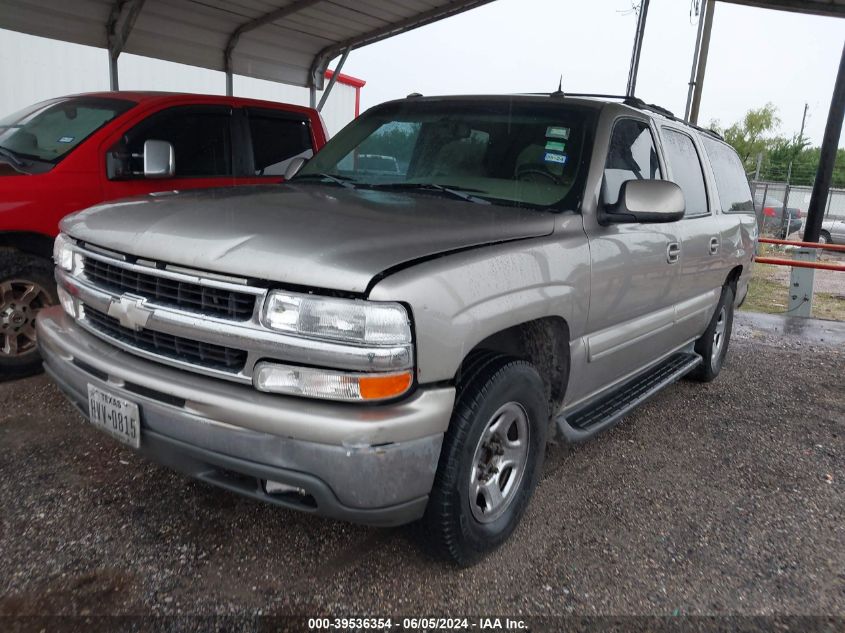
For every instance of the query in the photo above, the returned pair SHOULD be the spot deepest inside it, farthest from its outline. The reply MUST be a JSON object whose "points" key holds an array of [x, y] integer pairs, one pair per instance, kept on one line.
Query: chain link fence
{"points": [[781, 209]]}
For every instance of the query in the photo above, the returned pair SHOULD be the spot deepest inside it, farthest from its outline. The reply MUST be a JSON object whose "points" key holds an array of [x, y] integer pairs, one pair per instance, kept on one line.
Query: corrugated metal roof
{"points": [[291, 41], [833, 8]]}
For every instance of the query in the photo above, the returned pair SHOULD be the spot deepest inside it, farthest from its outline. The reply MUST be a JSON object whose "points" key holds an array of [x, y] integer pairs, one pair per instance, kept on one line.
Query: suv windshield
{"points": [[50, 130], [508, 151]]}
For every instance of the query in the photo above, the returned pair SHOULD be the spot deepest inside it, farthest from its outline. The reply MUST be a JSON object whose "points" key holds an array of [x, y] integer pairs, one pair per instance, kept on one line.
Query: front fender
{"points": [[461, 299]]}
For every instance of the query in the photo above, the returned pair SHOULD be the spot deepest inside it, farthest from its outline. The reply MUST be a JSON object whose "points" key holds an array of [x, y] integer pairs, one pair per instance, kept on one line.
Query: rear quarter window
{"points": [[731, 183]]}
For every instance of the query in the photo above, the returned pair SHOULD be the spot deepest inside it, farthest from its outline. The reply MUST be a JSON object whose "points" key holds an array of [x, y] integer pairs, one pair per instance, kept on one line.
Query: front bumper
{"points": [[367, 464]]}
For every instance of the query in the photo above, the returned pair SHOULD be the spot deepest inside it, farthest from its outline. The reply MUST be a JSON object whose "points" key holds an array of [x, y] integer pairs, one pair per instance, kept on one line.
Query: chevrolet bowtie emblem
{"points": [[130, 311]]}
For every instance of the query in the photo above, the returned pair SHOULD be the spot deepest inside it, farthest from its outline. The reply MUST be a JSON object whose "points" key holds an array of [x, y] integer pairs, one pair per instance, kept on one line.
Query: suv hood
{"points": [[308, 235]]}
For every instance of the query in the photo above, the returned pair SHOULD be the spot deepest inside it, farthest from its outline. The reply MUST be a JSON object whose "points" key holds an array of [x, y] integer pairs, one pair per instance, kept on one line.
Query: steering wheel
{"points": [[533, 172]]}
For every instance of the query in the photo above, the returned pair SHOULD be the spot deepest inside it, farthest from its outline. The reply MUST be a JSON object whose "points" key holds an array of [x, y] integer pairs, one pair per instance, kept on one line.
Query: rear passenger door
{"points": [[202, 140], [701, 268], [274, 139]]}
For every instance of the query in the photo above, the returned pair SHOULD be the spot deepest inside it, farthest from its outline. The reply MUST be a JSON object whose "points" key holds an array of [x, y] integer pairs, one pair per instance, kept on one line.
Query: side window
{"points": [[632, 156], [731, 182], [685, 167], [200, 135], [277, 138]]}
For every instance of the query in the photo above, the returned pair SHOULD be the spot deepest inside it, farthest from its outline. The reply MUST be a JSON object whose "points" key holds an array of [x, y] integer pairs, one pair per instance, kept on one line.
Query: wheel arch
{"points": [[733, 277], [27, 242], [544, 342]]}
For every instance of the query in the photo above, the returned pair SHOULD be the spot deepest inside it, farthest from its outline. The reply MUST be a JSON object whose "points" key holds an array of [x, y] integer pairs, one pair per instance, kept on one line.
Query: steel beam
{"points": [[694, 67], [117, 33], [830, 8], [634, 69], [333, 80], [704, 51], [322, 59], [827, 157], [246, 27]]}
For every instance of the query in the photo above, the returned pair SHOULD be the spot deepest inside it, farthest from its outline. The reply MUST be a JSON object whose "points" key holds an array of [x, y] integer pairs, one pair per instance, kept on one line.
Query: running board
{"points": [[591, 419]]}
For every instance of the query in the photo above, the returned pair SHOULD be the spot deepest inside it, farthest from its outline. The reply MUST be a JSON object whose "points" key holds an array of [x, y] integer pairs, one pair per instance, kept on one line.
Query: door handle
{"points": [[673, 252], [714, 245]]}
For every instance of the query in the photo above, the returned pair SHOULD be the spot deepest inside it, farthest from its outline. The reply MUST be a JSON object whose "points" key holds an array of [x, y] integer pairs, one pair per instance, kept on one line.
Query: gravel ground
{"points": [[727, 498]]}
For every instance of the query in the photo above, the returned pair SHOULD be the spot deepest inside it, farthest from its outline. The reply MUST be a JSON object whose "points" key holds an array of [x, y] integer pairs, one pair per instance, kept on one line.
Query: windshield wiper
{"points": [[429, 186], [343, 181], [12, 157]]}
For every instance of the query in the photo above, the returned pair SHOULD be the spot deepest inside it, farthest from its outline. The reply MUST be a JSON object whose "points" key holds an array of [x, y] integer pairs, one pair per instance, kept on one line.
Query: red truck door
{"points": [[202, 137], [273, 138]]}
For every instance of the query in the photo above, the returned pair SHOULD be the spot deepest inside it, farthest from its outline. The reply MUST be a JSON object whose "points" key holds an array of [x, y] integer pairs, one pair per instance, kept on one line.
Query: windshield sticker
{"points": [[558, 132], [66, 139], [555, 146], [555, 158]]}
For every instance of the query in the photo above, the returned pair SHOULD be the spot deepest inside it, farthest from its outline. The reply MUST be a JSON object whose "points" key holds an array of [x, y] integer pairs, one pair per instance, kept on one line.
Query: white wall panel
{"points": [[34, 68]]}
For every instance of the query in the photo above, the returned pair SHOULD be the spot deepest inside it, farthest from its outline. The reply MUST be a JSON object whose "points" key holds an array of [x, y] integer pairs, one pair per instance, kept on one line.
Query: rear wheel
{"points": [[491, 458], [824, 238], [26, 286], [713, 344]]}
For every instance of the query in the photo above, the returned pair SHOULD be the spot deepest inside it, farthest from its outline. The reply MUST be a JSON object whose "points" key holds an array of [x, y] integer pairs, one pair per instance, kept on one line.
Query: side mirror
{"points": [[294, 166], [646, 201], [159, 159]]}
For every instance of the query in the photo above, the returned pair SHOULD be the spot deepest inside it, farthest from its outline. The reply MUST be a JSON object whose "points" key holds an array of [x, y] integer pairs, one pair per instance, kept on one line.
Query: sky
{"points": [[756, 56]]}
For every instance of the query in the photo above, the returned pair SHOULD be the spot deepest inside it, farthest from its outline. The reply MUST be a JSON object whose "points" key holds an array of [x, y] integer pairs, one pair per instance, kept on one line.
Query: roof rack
{"points": [[634, 102]]}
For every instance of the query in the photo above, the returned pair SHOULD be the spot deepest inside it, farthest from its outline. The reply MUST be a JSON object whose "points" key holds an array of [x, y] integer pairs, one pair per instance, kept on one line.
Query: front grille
{"points": [[169, 346], [185, 295]]}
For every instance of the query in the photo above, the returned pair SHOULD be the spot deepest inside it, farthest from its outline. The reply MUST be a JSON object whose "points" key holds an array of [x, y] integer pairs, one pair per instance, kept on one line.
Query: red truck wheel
{"points": [[26, 286]]}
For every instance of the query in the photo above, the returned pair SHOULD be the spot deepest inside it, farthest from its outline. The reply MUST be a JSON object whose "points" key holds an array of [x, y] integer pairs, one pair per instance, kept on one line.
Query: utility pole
{"points": [[800, 144], [638, 47]]}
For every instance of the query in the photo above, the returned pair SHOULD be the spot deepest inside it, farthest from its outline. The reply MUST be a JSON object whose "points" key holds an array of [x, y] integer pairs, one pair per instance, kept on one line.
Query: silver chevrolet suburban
{"points": [[384, 346]]}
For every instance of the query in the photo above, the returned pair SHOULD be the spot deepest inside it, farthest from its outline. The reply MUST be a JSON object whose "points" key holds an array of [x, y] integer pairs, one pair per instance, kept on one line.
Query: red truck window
{"points": [[277, 138], [201, 137]]}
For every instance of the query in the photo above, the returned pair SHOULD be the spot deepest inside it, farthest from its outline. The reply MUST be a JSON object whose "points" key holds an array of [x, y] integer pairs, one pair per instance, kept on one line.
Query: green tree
{"points": [[749, 137], [753, 135]]}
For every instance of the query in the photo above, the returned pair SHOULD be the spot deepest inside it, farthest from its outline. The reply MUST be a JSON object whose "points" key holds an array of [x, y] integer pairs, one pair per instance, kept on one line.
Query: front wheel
{"points": [[26, 286], [713, 344], [491, 458], [824, 237]]}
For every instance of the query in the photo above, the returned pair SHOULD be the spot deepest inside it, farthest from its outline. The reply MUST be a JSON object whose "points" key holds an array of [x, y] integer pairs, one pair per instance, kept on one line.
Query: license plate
{"points": [[115, 415]]}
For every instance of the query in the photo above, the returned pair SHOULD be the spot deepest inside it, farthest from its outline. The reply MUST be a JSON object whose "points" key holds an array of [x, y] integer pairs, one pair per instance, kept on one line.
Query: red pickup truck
{"points": [[66, 154]]}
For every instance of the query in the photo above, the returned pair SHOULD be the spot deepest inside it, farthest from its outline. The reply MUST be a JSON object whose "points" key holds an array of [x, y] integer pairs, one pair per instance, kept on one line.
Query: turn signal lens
{"points": [[382, 387], [68, 302], [330, 385]]}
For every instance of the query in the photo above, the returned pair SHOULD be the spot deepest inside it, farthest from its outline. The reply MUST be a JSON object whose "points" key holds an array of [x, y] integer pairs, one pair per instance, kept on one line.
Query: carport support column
{"points": [[634, 70], [117, 33], [703, 52], [114, 83], [827, 157]]}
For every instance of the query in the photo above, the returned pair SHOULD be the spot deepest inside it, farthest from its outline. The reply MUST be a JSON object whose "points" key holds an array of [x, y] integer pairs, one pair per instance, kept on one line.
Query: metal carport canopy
{"points": [[289, 41]]}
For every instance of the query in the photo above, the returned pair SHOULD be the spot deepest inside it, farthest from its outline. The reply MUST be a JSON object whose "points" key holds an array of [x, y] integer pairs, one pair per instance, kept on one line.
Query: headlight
{"points": [[63, 253], [348, 320], [330, 385]]}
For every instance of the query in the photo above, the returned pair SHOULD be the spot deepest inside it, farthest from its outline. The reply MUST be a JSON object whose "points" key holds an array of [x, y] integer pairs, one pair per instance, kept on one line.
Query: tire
{"points": [[824, 238], [713, 344], [26, 286], [465, 519]]}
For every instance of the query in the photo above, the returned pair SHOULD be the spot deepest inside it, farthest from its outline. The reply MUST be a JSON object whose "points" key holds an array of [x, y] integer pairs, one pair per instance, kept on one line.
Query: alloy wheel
{"points": [[20, 302]]}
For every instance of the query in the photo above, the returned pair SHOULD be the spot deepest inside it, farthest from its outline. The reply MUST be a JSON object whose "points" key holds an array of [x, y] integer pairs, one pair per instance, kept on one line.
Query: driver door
{"points": [[635, 270]]}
